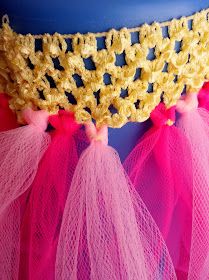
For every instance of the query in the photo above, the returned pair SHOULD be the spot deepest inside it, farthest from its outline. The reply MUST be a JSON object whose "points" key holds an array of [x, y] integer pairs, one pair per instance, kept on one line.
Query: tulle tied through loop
{"points": [[97, 134], [20, 152], [107, 232], [43, 215], [161, 116], [194, 123], [155, 169]]}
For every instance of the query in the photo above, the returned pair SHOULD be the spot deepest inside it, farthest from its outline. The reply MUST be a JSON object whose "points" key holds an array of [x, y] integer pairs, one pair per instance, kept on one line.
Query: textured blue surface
{"points": [[66, 16]]}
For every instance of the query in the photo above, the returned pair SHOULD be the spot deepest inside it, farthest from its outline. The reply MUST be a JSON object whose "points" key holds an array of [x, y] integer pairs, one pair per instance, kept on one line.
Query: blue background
{"points": [[67, 16]]}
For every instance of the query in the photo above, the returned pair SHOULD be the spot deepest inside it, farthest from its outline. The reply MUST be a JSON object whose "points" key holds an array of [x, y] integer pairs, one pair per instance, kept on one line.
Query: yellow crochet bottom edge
{"points": [[42, 71]]}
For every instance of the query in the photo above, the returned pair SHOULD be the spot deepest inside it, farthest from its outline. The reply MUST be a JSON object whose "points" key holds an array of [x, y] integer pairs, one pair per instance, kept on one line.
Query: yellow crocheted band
{"points": [[45, 78]]}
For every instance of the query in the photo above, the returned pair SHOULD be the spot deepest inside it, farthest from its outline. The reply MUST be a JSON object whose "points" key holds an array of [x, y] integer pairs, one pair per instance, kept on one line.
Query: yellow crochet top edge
{"points": [[51, 71]]}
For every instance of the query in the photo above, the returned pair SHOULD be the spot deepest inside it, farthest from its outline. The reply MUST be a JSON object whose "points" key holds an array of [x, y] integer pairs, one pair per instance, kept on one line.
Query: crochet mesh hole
{"points": [[165, 68], [51, 81], [30, 64], [151, 55], [38, 45], [137, 74], [189, 22], [150, 88], [69, 44], [178, 45], [134, 38], [124, 93], [41, 95], [89, 63], [175, 78], [107, 79], [87, 109], [112, 109], [78, 80], [101, 43], [165, 32], [57, 64], [120, 59], [137, 104], [97, 96], [71, 98]]}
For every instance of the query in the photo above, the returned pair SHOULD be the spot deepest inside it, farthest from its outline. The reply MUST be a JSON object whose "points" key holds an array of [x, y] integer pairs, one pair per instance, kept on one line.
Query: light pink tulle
{"points": [[43, 215], [195, 125], [107, 232], [20, 152], [158, 168]]}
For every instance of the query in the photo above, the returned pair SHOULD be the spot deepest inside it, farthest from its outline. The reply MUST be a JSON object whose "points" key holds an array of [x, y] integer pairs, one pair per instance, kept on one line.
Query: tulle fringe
{"points": [[20, 152], [158, 167], [195, 126], [107, 232], [43, 215]]}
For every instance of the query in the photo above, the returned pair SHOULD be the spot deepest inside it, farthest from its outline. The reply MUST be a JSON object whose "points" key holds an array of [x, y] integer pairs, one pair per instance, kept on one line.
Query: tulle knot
{"points": [[64, 121], [162, 116], [37, 118], [97, 134], [203, 96], [187, 103]]}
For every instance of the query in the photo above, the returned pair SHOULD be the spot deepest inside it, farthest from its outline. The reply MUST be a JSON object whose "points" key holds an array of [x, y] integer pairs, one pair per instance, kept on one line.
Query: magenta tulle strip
{"points": [[158, 168], [203, 96], [107, 232], [7, 117], [195, 125], [20, 152], [43, 215]]}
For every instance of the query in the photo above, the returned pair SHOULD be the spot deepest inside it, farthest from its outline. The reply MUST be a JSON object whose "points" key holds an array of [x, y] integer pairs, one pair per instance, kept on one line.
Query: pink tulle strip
{"points": [[158, 168], [20, 152], [195, 125], [107, 232], [43, 215]]}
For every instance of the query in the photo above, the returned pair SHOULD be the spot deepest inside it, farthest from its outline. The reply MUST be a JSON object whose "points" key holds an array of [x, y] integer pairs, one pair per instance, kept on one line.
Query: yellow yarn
{"points": [[25, 72]]}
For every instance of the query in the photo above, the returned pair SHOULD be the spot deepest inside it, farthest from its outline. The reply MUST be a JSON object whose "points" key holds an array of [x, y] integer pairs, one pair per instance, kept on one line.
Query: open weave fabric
{"points": [[20, 152], [197, 132], [158, 167], [83, 219], [107, 231], [42, 70]]}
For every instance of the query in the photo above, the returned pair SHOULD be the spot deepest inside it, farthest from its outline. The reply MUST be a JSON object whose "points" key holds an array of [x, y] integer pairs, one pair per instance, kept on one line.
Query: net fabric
{"points": [[43, 215], [203, 96], [8, 119], [20, 152], [158, 168], [9, 220], [48, 74], [195, 125], [107, 232]]}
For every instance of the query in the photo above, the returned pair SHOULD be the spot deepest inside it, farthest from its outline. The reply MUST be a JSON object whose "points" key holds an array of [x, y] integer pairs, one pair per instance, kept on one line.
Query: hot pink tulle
{"points": [[43, 215], [107, 232], [20, 152], [158, 168], [7, 117], [203, 96], [195, 125]]}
